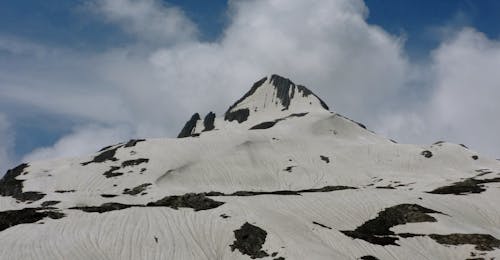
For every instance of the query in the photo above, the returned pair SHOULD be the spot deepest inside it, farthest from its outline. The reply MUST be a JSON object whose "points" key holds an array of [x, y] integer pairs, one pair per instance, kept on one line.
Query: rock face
{"points": [[189, 127], [277, 176], [268, 100]]}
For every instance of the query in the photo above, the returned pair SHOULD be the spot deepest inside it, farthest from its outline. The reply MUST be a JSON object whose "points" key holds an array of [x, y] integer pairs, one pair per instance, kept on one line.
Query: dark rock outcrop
{"points": [[466, 186], [196, 201], [252, 90], [240, 115], [106, 155], [208, 122], [264, 125], [285, 95], [426, 154], [13, 187], [325, 158], [483, 242], [269, 124], [133, 142], [189, 127], [279, 192], [321, 225], [112, 172], [368, 257], [134, 162], [136, 190], [50, 203], [11, 218], [106, 207], [285, 91], [249, 240], [377, 230]]}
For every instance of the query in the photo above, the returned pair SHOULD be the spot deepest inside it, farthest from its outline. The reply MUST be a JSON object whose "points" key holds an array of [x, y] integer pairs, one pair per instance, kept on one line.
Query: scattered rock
{"points": [[136, 190], [426, 154], [134, 162], [64, 191], [483, 242], [385, 187], [368, 257], [325, 158], [249, 241], [475, 157], [224, 216], [289, 168], [108, 195], [321, 225], [49, 203], [112, 172]]}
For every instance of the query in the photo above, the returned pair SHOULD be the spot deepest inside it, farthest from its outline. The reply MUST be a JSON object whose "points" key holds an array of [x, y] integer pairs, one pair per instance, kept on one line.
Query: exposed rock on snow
{"points": [[249, 241], [278, 176]]}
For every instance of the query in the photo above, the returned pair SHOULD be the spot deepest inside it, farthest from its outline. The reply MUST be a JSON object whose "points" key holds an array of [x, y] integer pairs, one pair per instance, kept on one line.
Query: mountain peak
{"points": [[273, 95], [270, 98]]}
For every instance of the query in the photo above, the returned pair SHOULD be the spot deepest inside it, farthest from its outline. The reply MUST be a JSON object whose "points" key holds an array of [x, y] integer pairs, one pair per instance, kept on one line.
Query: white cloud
{"points": [[325, 45], [149, 20], [6, 144], [83, 140], [358, 69], [465, 104], [462, 104]]}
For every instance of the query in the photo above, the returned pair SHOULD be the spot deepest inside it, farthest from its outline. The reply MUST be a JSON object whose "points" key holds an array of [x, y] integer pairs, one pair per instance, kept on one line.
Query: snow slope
{"points": [[278, 176]]}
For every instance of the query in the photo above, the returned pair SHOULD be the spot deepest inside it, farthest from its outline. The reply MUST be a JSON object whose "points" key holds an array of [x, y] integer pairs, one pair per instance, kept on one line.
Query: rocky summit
{"points": [[277, 176]]}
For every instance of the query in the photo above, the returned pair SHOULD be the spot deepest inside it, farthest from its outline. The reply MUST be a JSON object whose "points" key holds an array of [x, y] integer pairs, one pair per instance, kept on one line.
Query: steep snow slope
{"points": [[277, 177]]}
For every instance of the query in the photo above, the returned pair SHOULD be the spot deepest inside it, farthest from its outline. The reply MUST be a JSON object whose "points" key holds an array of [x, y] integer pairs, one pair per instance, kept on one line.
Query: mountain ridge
{"points": [[276, 93], [291, 181]]}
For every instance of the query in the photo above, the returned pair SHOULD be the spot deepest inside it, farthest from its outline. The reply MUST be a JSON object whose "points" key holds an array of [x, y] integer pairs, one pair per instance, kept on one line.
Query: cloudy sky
{"points": [[77, 75]]}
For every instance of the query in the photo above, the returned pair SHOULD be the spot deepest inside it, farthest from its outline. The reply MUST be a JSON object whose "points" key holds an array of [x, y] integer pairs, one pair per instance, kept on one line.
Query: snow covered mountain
{"points": [[278, 176]]}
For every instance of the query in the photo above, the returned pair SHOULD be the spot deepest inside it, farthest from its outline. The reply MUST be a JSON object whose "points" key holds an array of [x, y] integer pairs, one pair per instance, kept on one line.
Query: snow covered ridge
{"points": [[270, 98], [278, 176]]}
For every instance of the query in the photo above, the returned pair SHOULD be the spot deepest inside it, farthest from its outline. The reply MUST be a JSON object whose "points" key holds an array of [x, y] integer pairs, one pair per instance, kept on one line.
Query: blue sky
{"points": [[62, 62], [66, 23]]}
